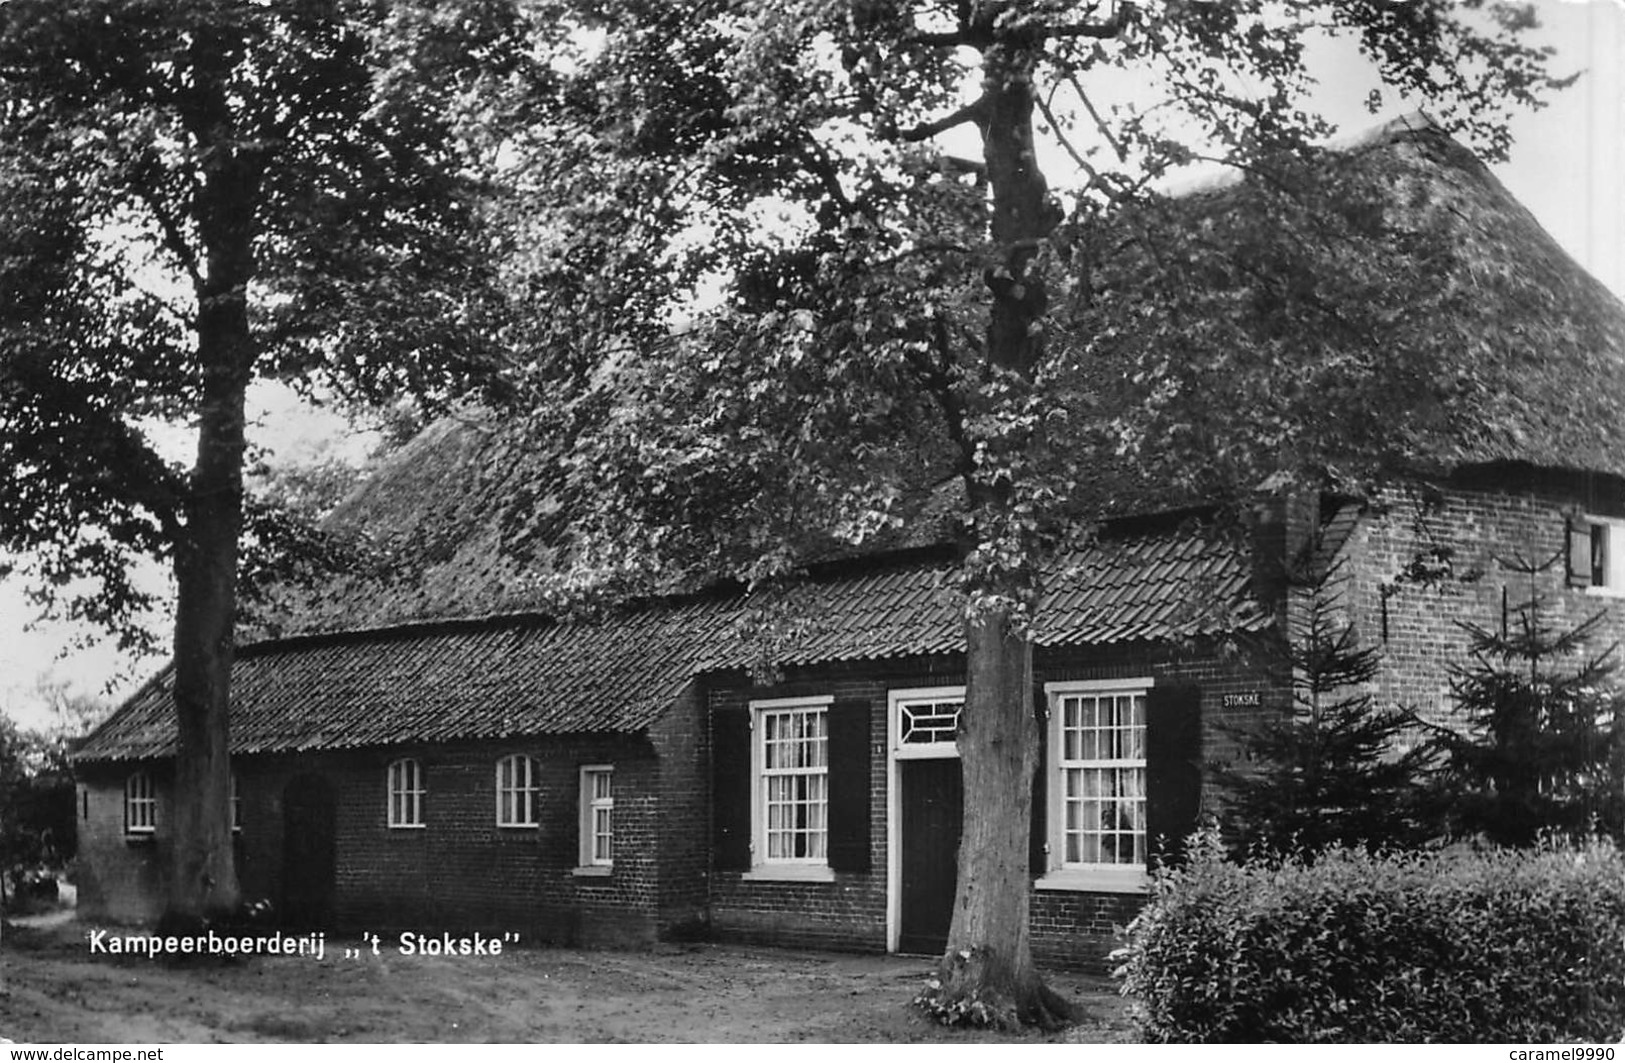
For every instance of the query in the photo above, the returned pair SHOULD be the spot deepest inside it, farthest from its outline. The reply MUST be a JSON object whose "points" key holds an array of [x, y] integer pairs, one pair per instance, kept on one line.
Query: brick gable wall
{"points": [[1417, 625]]}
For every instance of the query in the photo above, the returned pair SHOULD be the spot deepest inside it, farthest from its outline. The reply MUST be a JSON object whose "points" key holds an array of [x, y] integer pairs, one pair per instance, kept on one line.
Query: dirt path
{"points": [[53, 990]]}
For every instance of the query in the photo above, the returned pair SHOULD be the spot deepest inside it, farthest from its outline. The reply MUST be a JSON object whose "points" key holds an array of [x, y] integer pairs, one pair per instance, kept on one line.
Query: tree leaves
{"points": [[1199, 343], [133, 136]]}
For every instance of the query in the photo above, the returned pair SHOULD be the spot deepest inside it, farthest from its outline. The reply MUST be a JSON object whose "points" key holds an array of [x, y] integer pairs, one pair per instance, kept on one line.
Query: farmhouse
{"points": [[438, 755], [628, 778]]}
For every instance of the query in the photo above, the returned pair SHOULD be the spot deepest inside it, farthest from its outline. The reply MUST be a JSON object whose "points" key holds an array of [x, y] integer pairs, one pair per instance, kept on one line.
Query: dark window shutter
{"points": [[1580, 553], [578, 812], [849, 773], [730, 789], [1173, 769], [1038, 842]]}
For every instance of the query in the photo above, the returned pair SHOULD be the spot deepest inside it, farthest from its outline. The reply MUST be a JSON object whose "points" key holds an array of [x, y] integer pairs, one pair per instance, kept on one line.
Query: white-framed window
{"points": [[518, 788], [1596, 555], [406, 790], [790, 784], [1096, 785], [140, 804], [236, 806], [597, 815]]}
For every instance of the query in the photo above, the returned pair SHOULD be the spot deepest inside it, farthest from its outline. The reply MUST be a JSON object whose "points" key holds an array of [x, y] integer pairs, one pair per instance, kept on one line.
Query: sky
{"points": [[1566, 167]]}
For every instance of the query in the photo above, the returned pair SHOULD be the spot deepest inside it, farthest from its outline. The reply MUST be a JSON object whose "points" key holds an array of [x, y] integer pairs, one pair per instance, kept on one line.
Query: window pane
{"points": [[601, 842], [794, 811], [1102, 756]]}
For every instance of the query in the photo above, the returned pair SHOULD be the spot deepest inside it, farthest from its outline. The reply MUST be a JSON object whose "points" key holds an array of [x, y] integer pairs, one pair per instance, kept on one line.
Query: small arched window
{"points": [[518, 786]]}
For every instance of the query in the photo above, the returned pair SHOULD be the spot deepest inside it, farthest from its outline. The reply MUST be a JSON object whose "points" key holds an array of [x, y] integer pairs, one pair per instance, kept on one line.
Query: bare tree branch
{"points": [[975, 111], [957, 164], [1100, 123], [1097, 30], [943, 39], [169, 226], [936, 376], [1055, 127], [820, 166]]}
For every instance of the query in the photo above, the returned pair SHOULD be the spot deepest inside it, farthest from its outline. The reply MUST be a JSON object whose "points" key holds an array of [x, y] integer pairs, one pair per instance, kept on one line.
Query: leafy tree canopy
{"points": [[135, 138], [198, 194], [832, 307]]}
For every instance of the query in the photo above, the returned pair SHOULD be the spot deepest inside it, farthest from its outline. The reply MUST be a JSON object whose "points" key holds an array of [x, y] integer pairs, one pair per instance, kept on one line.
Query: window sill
{"points": [[1605, 592], [789, 873], [1075, 880], [408, 826], [593, 871]]}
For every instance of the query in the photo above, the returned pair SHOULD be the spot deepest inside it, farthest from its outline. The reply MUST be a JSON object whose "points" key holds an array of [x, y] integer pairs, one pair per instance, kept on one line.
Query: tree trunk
{"points": [[203, 877], [987, 975], [203, 874]]}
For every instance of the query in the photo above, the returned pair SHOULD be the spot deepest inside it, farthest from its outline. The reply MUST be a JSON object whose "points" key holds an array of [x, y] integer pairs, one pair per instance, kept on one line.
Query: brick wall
{"points": [[1080, 929], [1069, 929], [850, 912], [121, 878], [682, 742], [460, 872], [1418, 624]]}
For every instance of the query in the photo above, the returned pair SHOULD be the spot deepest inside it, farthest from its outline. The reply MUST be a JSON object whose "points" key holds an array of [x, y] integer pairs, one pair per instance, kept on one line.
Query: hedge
{"points": [[1455, 945]]}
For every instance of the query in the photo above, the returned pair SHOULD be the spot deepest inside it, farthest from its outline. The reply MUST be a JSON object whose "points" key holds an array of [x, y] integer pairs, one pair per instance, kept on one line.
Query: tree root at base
{"points": [[969, 990]]}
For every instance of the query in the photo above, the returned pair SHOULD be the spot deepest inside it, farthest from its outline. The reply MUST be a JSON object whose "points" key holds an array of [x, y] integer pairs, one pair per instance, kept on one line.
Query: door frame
{"points": [[896, 752]]}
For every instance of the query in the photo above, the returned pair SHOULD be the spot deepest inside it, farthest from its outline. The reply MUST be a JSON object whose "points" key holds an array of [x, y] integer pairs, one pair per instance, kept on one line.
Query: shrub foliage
{"points": [[1543, 749], [1329, 770], [1453, 945]]}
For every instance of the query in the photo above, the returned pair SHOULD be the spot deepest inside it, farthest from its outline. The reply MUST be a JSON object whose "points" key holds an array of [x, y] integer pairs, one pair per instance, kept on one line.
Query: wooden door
{"points": [[308, 852], [932, 807]]}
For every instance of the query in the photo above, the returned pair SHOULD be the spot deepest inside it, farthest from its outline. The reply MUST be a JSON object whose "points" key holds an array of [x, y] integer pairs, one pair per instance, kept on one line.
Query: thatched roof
{"points": [[1551, 337], [472, 513]]}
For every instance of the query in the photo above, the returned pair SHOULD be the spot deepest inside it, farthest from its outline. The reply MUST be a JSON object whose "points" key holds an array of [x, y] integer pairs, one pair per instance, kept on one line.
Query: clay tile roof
{"points": [[462, 679], [526, 674]]}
